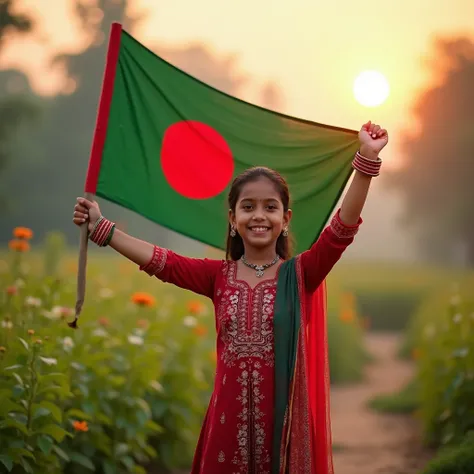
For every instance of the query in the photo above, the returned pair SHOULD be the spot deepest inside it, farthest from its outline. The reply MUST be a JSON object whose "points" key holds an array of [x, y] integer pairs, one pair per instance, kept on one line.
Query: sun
{"points": [[371, 88]]}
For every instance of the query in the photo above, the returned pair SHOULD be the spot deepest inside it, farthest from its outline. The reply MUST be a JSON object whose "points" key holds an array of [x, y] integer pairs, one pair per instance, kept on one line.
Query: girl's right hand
{"points": [[86, 211]]}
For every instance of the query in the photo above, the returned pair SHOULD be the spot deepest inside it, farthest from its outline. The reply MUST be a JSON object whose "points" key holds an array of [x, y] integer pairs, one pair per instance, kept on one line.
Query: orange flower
{"points": [[80, 426], [416, 354], [22, 233], [195, 307], [104, 322], [200, 330], [19, 245], [347, 316], [31, 332], [143, 299], [12, 290], [3, 349]]}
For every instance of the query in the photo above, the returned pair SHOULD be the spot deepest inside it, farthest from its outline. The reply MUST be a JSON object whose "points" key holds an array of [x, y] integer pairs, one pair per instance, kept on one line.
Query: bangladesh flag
{"points": [[167, 146]]}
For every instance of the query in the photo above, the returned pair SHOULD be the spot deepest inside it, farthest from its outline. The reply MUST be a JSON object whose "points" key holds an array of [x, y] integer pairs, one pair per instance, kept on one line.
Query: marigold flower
{"points": [[3, 349], [12, 290], [80, 426], [195, 307], [22, 233], [31, 332], [39, 342], [19, 245], [200, 330], [143, 299]]}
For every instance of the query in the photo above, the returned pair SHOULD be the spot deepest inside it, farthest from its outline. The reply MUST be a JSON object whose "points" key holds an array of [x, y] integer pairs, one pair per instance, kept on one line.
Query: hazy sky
{"points": [[312, 49]]}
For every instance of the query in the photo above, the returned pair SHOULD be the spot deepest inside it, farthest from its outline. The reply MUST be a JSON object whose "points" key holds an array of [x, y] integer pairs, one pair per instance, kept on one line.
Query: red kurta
{"points": [[236, 436]]}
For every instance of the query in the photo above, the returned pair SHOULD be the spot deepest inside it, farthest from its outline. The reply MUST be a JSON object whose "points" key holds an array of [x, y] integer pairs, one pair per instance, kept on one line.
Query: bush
{"points": [[441, 340], [454, 460], [405, 401]]}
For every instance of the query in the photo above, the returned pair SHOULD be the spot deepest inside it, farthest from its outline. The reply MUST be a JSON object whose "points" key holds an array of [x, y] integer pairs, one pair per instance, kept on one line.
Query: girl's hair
{"points": [[235, 245]]}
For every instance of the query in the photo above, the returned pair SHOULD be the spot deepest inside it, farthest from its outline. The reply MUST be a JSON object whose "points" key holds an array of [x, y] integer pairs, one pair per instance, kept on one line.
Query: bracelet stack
{"points": [[102, 232], [366, 166]]}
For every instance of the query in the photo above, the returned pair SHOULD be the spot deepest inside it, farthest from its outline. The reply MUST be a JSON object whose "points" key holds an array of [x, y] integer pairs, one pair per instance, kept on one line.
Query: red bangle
{"points": [[101, 233], [366, 166]]}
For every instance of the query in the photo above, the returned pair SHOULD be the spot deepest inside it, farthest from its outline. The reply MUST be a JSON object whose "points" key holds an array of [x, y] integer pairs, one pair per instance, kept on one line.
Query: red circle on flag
{"points": [[196, 160]]}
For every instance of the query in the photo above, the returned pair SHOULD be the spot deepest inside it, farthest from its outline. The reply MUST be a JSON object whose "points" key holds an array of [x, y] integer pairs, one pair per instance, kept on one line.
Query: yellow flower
{"points": [[22, 233], [143, 299], [80, 426], [19, 245]]}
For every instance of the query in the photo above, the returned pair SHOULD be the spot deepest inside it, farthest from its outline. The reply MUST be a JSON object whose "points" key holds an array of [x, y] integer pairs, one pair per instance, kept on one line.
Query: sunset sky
{"points": [[313, 50]]}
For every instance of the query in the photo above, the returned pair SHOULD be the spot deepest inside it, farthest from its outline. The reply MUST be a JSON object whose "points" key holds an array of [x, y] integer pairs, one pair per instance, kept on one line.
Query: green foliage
{"points": [[405, 401], [453, 460], [441, 339]]}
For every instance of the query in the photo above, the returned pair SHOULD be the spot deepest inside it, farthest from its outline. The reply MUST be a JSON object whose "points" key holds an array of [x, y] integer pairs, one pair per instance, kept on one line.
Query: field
{"points": [[129, 389]]}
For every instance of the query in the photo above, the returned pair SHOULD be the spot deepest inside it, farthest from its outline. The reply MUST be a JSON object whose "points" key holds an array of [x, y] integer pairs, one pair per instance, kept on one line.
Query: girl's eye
{"points": [[271, 207], [247, 207]]}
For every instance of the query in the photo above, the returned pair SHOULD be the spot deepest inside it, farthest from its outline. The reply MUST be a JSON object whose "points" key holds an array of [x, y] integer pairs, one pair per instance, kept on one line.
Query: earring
{"points": [[285, 232], [232, 232]]}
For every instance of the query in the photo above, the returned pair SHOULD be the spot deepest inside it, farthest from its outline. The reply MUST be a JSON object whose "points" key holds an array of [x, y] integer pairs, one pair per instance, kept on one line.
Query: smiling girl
{"points": [[269, 411]]}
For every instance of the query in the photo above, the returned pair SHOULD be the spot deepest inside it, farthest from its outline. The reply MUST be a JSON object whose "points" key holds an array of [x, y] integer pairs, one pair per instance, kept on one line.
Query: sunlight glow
{"points": [[371, 88]]}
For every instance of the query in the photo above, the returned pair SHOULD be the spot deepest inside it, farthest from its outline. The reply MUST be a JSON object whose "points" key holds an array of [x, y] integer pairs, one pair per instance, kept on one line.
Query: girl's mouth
{"points": [[259, 229]]}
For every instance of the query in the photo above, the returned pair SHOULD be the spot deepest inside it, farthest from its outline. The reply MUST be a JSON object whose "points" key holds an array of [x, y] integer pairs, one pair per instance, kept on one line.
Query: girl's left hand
{"points": [[372, 139]]}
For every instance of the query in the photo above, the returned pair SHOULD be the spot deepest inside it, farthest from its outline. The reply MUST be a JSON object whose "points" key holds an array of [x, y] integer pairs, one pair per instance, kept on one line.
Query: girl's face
{"points": [[259, 216]]}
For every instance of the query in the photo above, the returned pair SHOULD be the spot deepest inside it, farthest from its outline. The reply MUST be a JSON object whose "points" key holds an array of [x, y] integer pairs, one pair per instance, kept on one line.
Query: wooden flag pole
{"points": [[81, 268]]}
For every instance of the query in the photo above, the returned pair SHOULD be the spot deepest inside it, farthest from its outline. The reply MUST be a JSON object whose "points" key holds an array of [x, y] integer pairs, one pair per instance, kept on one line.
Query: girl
{"points": [[269, 411]]}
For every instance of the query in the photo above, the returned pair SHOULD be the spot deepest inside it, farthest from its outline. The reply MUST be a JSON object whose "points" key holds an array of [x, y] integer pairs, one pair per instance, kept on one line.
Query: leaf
{"points": [[109, 468], [153, 426], [13, 367], [25, 344], [26, 466], [54, 377], [128, 462], [82, 460], [49, 360], [7, 407], [45, 443], [61, 453], [75, 413], [121, 449], [18, 379], [55, 431], [39, 411], [18, 453], [7, 461], [11, 423], [54, 410]]}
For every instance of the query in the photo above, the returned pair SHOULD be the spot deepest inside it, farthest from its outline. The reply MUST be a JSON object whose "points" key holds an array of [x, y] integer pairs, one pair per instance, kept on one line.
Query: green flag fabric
{"points": [[167, 146]]}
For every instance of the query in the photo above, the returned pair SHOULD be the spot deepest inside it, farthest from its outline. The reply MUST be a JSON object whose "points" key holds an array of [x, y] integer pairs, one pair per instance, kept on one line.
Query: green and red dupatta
{"points": [[302, 430]]}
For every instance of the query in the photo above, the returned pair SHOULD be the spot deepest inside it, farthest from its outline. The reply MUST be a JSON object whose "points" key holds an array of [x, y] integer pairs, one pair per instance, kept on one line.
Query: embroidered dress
{"points": [[244, 432]]}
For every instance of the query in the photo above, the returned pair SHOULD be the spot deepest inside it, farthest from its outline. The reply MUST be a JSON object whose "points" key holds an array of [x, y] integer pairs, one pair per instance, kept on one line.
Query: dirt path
{"points": [[369, 442]]}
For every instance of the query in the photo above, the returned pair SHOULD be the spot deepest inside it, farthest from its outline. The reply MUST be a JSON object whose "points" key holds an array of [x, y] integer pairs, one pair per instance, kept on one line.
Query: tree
{"points": [[15, 108], [436, 181]]}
